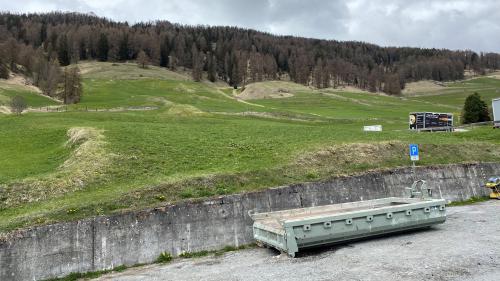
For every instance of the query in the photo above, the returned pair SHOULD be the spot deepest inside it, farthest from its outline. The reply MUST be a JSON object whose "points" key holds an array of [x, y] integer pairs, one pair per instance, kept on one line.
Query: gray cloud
{"points": [[454, 24]]}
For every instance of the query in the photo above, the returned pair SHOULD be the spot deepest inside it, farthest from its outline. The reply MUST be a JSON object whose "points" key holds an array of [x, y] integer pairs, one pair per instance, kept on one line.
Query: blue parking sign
{"points": [[414, 152]]}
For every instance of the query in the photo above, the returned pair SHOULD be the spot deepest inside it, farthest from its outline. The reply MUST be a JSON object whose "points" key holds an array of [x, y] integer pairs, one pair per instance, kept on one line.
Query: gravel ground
{"points": [[466, 247]]}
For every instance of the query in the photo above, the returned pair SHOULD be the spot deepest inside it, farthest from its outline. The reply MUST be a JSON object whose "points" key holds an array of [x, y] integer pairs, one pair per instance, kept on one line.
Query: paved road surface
{"points": [[466, 247]]}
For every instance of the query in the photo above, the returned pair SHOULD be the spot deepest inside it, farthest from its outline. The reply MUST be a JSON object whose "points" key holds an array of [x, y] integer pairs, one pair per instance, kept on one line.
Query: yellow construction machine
{"points": [[494, 184]]}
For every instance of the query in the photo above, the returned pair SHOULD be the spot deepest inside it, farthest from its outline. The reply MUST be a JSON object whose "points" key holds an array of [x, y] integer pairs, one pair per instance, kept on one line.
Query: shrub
{"points": [[164, 257], [188, 255], [160, 197], [475, 110], [18, 104]]}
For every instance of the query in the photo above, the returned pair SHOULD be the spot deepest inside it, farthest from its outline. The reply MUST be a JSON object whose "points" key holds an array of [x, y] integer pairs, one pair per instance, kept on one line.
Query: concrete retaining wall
{"points": [[139, 237]]}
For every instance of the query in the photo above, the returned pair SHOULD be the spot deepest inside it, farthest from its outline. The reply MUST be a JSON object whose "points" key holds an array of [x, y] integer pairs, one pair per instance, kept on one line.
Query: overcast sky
{"points": [[453, 24]]}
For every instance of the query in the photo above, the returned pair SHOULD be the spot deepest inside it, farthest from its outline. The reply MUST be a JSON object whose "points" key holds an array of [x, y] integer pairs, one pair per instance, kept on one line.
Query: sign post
{"points": [[414, 155]]}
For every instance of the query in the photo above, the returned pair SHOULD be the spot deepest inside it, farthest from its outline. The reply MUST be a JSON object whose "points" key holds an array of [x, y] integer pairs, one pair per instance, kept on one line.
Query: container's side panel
{"points": [[496, 110]]}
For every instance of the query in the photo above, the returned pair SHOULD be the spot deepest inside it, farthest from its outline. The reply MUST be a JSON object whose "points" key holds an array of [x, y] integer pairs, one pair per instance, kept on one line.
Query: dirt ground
{"points": [[466, 247], [271, 89], [424, 87]]}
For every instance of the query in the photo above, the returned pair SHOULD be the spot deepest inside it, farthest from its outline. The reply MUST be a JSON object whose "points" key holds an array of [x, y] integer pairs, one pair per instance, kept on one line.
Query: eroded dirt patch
{"points": [[18, 82], [423, 87], [271, 89]]}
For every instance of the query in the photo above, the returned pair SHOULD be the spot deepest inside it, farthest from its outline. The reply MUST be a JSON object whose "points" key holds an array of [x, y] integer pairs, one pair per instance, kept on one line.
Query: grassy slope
{"points": [[177, 152], [7, 91], [456, 93]]}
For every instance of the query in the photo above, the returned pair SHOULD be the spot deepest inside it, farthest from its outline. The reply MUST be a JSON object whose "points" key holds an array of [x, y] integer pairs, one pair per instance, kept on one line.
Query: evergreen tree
{"points": [[83, 50], [102, 48], [123, 52], [43, 33], [4, 71], [164, 52], [475, 110], [239, 55], [212, 68], [197, 64], [63, 51]]}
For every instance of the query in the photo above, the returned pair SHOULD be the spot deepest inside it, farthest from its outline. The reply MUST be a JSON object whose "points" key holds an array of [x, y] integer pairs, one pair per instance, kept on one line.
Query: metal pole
{"points": [[413, 170]]}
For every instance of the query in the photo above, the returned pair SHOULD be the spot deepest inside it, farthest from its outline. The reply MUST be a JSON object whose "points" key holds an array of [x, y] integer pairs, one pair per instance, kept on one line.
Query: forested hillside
{"points": [[37, 44]]}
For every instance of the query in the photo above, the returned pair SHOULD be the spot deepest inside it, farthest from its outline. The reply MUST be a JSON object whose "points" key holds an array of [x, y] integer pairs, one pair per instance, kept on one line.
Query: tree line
{"points": [[39, 43]]}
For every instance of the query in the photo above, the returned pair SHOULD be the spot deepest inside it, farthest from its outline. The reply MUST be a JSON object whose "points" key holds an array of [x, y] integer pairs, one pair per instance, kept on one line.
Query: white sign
{"points": [[373, 128]]}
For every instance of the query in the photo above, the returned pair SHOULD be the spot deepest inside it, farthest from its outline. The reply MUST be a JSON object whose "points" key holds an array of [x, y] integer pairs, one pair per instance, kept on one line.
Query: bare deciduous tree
{"points": [[142, 59], [18, 104], [72, 91]]}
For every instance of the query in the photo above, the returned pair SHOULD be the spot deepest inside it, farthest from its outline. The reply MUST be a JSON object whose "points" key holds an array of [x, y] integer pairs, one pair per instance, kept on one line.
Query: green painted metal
{"points": [[292, 230]]}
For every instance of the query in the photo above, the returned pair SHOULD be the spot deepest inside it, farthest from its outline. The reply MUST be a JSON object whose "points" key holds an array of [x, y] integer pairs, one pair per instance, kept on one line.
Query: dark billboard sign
{"points": [[428, 120]]}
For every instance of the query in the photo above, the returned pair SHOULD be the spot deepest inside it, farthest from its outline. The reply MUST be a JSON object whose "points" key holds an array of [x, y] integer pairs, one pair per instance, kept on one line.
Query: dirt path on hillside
{"points": [[62, 108]]}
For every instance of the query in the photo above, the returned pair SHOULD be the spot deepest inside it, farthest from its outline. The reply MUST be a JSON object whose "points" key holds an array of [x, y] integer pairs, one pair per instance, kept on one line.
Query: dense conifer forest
{"points": [[38, 44]]}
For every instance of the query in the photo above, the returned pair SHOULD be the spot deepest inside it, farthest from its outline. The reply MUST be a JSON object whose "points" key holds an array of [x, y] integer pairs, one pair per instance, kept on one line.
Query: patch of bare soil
{"points": [[352, 89], [5, 109], [271, 89], [20, 81], [494, 75], [423, 87]]}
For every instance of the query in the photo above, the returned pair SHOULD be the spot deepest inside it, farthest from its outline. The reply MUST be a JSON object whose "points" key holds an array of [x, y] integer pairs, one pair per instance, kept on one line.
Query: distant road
{"points": [[466, 247]]}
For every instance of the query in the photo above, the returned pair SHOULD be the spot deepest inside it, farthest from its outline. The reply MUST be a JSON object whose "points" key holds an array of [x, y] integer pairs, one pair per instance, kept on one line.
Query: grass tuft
{"points": [[469, 201], [164, 257]]}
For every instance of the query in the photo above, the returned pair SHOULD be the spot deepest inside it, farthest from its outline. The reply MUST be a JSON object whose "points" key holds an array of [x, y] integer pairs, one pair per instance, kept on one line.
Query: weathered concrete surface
{"points": [[139, 237], [464, 248]]}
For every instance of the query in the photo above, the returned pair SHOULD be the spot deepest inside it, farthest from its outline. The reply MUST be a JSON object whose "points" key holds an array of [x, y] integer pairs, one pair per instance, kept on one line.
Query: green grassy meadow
{"points": [[200, 141], [455, 94], [32, 99]]}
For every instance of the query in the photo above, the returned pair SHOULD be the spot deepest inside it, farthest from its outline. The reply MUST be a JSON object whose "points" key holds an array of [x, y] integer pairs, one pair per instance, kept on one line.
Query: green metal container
{"points": [[292, 230]]}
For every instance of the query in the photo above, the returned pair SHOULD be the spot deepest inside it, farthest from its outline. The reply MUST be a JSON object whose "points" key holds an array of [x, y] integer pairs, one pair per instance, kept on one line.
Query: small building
{"points": [[431, 121]]}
